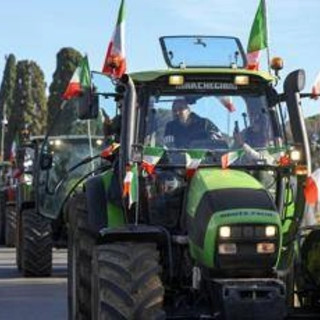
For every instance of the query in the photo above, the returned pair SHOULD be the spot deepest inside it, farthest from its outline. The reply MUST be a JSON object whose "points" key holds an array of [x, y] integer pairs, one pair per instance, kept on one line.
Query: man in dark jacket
{"points": [[188, 127]]}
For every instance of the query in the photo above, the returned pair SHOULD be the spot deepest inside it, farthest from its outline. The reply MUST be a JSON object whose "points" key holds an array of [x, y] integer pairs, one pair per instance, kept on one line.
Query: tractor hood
{"points": [[230, 198]]}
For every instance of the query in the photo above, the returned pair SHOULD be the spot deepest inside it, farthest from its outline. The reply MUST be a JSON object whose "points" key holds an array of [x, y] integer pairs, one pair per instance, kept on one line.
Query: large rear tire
{"points": [[10, 225], [80, 245], [126, 283], [36, 245]]}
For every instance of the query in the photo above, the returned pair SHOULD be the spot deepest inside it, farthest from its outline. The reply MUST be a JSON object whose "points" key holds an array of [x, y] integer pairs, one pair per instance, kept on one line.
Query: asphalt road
{"points": [[32, 298]]}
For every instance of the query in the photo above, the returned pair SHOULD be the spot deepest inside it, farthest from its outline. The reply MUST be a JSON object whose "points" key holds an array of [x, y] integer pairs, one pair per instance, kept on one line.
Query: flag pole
{"points": [[267, 33]]}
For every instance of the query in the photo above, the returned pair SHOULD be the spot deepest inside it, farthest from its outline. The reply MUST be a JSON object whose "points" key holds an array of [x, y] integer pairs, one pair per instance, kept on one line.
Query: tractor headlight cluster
{"points": [[56, 142], [247, 246]]}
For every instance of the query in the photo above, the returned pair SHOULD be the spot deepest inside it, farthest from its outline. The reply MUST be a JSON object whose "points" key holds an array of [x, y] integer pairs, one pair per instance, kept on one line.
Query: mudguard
{"points": [[103, 211]]}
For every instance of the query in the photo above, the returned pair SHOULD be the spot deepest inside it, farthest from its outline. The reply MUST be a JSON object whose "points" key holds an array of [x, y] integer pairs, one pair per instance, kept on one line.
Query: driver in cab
{"points": [[187, 127]]}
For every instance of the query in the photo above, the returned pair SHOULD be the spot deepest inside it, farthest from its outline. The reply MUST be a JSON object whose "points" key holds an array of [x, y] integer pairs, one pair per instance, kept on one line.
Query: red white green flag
{"points": [[130, 185], [151, 156], [193, 160], [115, 61], [258, 37], [81, 80], [229, 158]]}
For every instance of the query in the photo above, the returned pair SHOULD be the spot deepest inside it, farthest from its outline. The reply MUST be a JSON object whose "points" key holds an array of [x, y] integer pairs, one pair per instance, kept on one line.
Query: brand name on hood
{"points": [[207, 86], [247, 213]]}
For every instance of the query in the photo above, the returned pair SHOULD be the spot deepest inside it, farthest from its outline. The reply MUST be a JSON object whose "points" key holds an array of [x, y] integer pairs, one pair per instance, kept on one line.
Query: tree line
{"points": [[24, 104]]}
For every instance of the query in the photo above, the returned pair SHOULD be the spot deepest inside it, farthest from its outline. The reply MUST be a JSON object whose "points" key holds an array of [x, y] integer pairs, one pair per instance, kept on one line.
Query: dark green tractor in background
{"points": [[208, 230], [37, 234]]}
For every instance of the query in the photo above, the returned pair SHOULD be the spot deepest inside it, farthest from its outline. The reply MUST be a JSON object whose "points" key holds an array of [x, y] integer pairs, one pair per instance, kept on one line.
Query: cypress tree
{"points": [[6, 94], [29, 104]]}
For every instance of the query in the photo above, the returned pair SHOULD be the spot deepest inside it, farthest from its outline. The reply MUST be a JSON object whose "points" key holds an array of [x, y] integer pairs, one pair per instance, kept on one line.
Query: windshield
{"points": [[238, 125]]}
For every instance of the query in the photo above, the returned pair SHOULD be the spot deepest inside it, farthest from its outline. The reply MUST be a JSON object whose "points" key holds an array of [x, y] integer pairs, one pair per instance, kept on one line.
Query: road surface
{"points": [[32, 298]]}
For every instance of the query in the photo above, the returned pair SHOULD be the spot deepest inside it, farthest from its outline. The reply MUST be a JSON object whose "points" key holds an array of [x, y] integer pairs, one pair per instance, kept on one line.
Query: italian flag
{"points": [[258, 37], [193, 160], [151, 156], [81, 79], [229, 158], [115, 61], [130, 184], [315, 91]]}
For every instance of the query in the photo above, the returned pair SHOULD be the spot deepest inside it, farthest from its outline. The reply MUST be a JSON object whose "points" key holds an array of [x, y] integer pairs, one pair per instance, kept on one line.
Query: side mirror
{"points": [[295, 81], [46, 160], [87, 105]]}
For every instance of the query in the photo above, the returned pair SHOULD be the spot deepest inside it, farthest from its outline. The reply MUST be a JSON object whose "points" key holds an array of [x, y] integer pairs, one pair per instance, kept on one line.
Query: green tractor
{"points": [[37, 234], [198, 223], [5, 168]]}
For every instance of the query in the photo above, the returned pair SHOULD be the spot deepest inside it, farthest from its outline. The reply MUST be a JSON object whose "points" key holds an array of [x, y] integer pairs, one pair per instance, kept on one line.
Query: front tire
{"points": [[10, 226], [126, 283], [36, 245]]}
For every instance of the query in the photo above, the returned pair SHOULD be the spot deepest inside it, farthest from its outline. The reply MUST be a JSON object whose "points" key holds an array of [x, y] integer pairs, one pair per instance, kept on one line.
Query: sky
{"points": [[38, 29]]}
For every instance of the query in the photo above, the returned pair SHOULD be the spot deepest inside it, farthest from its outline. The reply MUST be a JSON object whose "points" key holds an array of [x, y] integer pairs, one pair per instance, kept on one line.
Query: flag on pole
{"points": [[315, 91], [258, 37], [81, 79], [130, 185], [115, 61]]}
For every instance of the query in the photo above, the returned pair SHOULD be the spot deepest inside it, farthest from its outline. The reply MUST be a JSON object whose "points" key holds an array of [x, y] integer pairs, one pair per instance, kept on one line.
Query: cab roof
{"points": [[148, 76]]}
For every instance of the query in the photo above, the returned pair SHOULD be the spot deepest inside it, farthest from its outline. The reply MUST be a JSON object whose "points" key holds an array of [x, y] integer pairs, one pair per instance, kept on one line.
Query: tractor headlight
{"points": [[270, 231], [227, 248], [295, 155], [225, 232], [99, 142], [241, 80], [266, 247], [176, 80]]}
